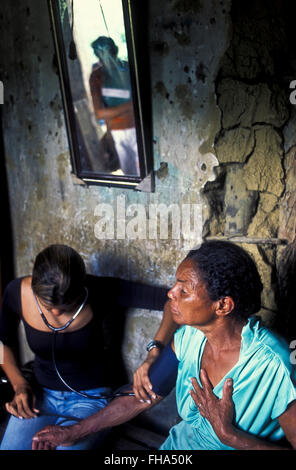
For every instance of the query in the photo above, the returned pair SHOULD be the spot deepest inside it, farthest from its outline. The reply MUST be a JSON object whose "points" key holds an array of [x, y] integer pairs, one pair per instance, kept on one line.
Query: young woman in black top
{"points": [[60, 293]]}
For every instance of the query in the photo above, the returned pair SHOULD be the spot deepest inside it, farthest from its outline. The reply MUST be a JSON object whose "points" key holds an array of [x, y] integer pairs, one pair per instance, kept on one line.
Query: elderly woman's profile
{"points": [[235, 386]]}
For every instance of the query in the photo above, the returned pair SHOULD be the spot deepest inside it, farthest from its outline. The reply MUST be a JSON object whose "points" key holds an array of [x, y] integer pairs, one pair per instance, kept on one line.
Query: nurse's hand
{"points": [[23, 403], [142, 386], [219, 412]]}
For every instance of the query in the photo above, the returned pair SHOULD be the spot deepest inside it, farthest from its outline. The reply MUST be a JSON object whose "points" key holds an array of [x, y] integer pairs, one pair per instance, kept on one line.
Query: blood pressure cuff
{"points": [[163, 372]]}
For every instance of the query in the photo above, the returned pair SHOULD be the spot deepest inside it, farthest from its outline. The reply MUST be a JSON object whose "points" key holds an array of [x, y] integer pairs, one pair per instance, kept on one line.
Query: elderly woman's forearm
{"points": [[167, 326], [119, 411]]}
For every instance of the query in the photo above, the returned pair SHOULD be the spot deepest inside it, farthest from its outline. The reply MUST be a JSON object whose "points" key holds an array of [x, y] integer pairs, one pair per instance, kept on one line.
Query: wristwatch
{"points": [[154, 344]]}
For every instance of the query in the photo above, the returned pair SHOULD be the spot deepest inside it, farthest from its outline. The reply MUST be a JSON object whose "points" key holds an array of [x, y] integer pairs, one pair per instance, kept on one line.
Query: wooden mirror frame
{"points": [[135, 14]]}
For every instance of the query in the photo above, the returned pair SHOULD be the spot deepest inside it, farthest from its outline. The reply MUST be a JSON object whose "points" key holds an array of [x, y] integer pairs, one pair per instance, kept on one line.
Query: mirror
{"points": [[102, 57]]}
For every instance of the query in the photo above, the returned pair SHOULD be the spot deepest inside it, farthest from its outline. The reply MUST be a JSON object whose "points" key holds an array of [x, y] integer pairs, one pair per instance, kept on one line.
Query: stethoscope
{"points": [[53, 347]]}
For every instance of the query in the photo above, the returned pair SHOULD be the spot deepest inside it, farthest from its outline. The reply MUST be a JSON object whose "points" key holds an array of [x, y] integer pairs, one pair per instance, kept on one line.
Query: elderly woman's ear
{"points": [[225, 305]]}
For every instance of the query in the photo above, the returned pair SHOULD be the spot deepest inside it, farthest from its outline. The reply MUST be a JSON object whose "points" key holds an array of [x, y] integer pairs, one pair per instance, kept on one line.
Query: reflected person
{"points": [[111, 94]]}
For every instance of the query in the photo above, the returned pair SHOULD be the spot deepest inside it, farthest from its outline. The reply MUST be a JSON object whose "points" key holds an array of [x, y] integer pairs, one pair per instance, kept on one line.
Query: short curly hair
{"points": [[228, 270]]}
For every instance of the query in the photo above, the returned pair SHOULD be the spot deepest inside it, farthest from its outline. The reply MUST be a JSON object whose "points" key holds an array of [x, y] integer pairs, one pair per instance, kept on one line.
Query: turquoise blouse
{"points": [[263, 386]]}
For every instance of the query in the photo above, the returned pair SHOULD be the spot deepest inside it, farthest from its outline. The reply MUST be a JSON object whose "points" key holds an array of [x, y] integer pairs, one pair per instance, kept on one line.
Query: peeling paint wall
{"points": [[223, 138]]}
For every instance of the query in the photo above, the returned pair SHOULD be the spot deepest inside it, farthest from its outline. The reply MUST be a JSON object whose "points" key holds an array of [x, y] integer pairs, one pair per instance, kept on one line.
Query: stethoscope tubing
{"points": [[78, 392], [54, 334]]}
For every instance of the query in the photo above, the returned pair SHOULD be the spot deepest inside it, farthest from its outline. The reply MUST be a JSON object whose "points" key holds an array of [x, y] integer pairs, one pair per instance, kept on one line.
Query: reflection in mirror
{"points": [[99, 71], [111, 95]]}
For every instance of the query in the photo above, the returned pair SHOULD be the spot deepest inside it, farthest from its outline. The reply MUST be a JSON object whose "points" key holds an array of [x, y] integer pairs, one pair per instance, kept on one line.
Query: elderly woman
{"points": [[63, 311], [235, 386]]}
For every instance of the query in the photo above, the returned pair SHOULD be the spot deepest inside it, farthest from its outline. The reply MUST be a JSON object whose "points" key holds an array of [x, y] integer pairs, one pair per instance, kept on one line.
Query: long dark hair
{"points": [[58, 277], [228, 270]]}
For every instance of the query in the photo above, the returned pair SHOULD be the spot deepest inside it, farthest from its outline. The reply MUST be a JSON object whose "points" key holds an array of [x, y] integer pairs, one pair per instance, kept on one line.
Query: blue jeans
{"points": [[56, 408]]}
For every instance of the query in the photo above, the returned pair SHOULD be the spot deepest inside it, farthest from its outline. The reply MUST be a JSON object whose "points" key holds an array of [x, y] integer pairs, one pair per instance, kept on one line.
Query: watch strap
{"points": [[154, 344]]}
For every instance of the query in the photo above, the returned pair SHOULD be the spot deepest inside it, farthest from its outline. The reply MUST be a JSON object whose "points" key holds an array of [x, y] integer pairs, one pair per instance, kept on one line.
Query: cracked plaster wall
{"points": [[223, 137], [253, 195]]}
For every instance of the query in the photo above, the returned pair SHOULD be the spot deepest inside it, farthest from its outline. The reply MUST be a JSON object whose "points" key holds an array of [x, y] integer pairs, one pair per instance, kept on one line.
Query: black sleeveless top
{"points": [[80, 354]]}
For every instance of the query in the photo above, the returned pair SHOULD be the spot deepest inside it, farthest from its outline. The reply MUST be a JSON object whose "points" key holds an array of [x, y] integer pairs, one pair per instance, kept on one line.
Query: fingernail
{"points": [[150, 387], [142, 401], [154, 396], [149, 401]]}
